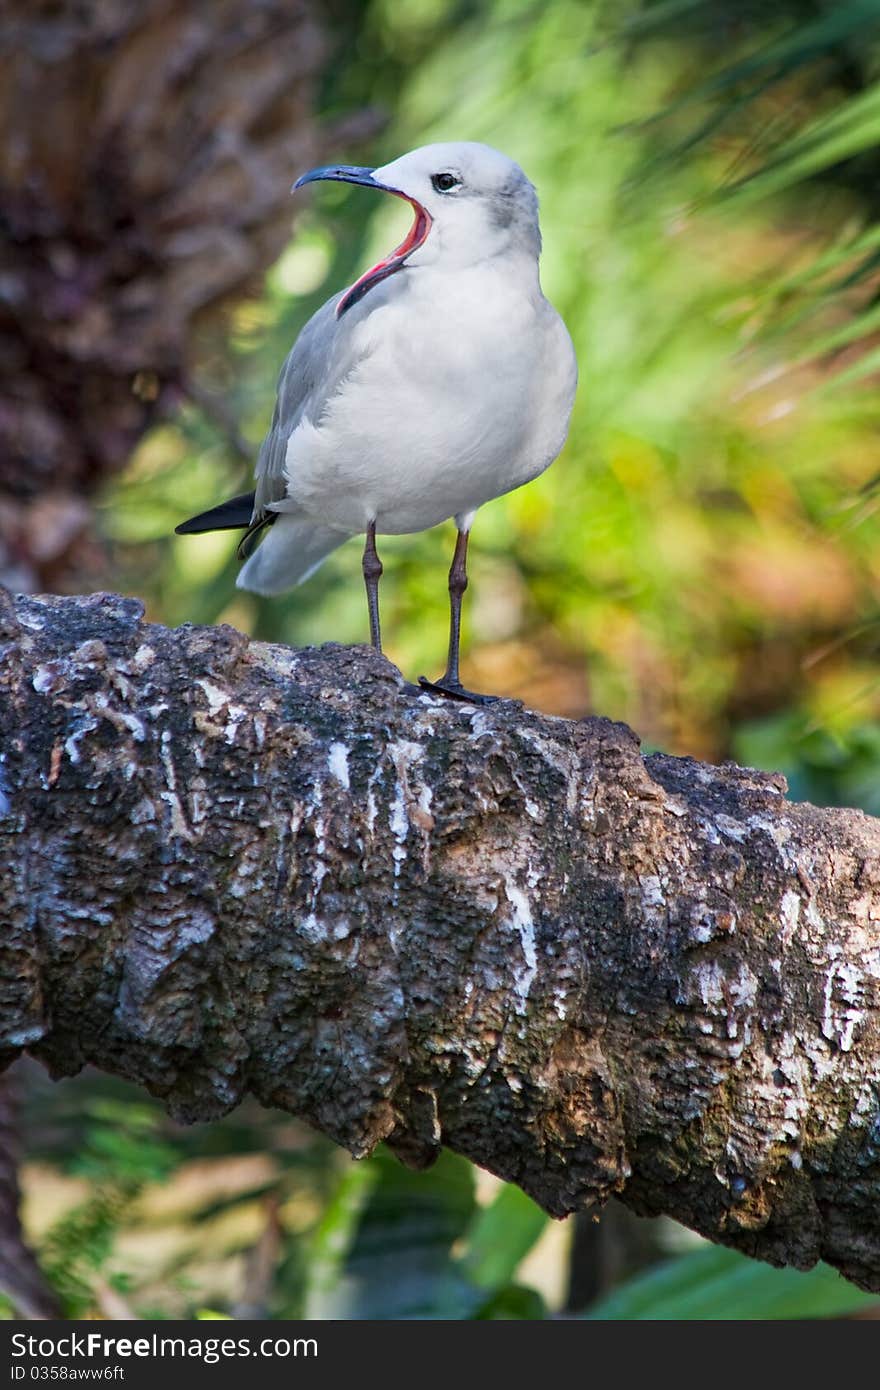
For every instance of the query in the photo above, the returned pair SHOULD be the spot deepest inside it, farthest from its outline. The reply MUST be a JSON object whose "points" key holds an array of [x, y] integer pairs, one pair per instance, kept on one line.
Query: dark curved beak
{"points": [[340, 173]]}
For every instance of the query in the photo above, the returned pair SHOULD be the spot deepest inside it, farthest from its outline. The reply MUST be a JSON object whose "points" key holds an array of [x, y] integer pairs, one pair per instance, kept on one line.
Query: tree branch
{"points": [[233, 867]]}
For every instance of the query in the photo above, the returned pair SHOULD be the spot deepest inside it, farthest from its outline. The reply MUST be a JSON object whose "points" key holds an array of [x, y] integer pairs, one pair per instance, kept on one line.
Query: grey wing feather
{"points": [[316, 364]]}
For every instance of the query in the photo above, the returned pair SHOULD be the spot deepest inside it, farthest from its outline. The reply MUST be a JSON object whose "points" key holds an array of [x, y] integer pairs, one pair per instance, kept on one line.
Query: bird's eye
{"points": [[443, 182]]}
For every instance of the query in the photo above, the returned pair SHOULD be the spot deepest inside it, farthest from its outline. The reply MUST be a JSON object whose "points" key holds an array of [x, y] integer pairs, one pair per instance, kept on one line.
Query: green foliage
{"points": [[706, 503], [717, 1284], [397, 1244], [806, 102], [821, 765], [164, 1213], [332, 1239], [120, 1155], [500, 1236], [702, 560]]}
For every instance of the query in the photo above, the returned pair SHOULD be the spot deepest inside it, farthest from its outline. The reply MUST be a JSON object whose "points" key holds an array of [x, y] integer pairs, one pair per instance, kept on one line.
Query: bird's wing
{"points": [[317, 364]]}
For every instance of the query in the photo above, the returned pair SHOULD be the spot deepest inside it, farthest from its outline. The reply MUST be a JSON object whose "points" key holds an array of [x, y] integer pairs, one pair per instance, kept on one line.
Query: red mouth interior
{"points": [[414, 238]]}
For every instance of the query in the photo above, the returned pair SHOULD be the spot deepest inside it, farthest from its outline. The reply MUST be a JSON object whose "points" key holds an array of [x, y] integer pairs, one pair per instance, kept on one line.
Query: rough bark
{"points": [[233, 867]]}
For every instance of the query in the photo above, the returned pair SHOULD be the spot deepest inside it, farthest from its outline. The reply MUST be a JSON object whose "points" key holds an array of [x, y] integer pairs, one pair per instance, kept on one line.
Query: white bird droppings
{"points": [[319, 827], [312, 929], [143, 658], [221, 699], [790, 914], [733, 829], [652, 893], [120, 718], [842, 996], [481, 723], [216, 697], [425, 800], [522, 922], [780, 834], [72, 742], [404, 754], [45, 678], [171, 798], [337, 762], [399, 823]]}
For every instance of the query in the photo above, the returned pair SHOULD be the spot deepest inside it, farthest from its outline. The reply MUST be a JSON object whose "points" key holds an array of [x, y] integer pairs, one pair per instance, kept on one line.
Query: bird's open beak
{"points": [[352, 173]]}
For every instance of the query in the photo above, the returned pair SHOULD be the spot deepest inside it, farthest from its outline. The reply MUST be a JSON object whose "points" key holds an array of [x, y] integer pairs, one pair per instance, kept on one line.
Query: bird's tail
{"points": [[290, 552]]}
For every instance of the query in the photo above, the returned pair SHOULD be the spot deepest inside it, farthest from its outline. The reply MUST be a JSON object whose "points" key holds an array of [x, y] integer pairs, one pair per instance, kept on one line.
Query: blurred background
{"points": [[703, 561]]}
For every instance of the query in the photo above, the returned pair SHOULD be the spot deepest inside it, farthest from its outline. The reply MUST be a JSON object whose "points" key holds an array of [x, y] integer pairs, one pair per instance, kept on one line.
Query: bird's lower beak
{"points": [[352, 173], [340, 173]]}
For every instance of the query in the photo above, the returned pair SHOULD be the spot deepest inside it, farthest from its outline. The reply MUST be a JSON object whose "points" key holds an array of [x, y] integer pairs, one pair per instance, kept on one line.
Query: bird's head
{"points": [[471, 203]]}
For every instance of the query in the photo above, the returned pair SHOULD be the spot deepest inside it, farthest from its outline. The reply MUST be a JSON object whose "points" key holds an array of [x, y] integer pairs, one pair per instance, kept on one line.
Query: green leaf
{"points": [[335, 1232], [397, 1261], [850, 129], [716, 1283], [501, 1235], [513, 1304], [774, 61], [866, 365], [842, 252]]}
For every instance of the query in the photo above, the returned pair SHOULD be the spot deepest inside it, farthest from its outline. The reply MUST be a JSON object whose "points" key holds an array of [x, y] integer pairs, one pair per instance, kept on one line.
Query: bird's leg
{"points": [[450, 682], [372, 575], [458, 582]]}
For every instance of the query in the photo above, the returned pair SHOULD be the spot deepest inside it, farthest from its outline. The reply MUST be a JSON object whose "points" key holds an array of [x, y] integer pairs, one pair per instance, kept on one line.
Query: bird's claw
{"points": [[454, 690]]}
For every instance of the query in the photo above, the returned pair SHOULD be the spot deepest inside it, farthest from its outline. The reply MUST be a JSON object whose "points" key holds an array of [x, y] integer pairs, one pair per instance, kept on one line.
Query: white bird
{"points": [[441, 379]]}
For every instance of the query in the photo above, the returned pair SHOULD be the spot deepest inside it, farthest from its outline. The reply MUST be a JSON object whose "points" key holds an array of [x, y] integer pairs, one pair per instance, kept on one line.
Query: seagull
{"points": [[439, 380]]}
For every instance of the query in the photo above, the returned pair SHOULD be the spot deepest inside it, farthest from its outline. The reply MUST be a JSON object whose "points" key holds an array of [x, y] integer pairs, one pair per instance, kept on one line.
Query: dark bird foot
{"points": [[454, 690]]}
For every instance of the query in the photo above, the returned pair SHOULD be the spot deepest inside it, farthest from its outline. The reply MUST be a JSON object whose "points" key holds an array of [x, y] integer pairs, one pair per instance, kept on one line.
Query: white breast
{"points": [[462, 390]]}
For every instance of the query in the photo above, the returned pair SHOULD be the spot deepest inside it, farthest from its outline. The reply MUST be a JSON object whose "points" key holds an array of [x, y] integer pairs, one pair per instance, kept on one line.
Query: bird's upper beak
{"points": [[353, 173], [341, 173]]}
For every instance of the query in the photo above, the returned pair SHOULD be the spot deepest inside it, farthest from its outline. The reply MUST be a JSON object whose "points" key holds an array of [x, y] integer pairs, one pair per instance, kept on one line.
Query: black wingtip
{"points": [[234, 515]]}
